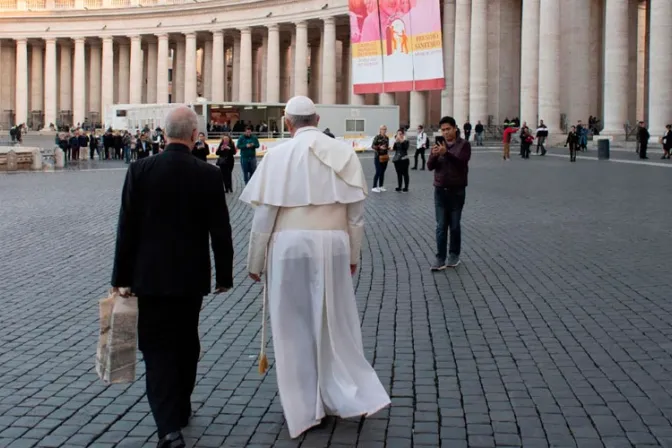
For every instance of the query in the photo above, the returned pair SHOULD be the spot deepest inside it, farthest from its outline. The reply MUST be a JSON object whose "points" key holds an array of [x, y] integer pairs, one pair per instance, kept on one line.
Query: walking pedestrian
{"points": [[478, 133], [381, 156], [449, 160], [306, 239], [467, 130], [163, 256], [421, 145], [573, 142], [248, 145], [542, 135], [643, 140], [667, 142], [401, 161]]}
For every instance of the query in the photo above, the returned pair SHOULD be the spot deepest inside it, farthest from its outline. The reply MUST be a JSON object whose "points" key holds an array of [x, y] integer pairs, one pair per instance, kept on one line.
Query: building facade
{"points": [[64, 61]]}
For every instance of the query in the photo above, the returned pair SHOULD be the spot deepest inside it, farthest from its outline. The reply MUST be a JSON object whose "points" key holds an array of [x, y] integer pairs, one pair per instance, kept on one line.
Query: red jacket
{"points": [[507, 134]]}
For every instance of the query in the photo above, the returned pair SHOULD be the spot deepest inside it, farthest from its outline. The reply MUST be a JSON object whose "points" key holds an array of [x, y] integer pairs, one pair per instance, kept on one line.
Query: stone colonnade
{"points": [[556, 60]]}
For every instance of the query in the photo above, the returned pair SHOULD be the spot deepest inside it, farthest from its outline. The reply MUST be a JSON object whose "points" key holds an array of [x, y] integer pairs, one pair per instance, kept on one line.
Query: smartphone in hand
{"points": [[440, 140]]}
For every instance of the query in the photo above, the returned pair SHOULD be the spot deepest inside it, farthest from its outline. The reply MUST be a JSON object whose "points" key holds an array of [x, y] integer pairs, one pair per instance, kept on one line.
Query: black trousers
{"points": [[642, 149], [419, 152], [401, 167], [227, 177], [168, 340]]}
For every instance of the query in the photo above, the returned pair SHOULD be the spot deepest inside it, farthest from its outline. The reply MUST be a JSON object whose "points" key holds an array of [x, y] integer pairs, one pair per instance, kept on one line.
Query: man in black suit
{"points": [[170, 204], [643, 140]]}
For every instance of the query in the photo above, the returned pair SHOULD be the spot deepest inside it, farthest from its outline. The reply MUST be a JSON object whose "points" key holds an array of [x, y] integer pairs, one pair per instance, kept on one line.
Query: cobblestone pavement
{"points": [[555, 331]]}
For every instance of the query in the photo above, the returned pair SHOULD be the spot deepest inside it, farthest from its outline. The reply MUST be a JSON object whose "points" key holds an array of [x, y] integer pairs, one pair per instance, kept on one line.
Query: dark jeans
{"points": [[448, 203], [401, 168], [226, 176], [379, 177], [168, 340], [419, 152], [540, 145], [525, 150], [572, 153], [248, 166]]}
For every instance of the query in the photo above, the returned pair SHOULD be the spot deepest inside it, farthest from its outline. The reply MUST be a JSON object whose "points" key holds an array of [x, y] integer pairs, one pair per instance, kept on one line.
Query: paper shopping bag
{"points": [[117, 343]]}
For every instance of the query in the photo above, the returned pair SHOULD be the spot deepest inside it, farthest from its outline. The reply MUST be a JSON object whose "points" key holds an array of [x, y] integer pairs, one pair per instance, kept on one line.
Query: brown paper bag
{"points": [[117, 344]]}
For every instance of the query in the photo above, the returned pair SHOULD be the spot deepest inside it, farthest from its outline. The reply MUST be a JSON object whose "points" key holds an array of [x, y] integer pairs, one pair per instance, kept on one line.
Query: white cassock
{"points": [[309, 195]]}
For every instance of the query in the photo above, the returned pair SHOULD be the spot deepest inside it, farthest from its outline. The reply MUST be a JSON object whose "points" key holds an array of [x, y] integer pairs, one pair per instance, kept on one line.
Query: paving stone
{"points": [[545, 335]]}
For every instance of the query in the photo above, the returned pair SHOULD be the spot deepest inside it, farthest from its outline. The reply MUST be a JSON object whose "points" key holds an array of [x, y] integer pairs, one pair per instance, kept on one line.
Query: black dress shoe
{"points": [[172, 440]]}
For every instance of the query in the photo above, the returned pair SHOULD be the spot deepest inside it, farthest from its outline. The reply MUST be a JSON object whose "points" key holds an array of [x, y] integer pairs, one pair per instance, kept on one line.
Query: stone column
{"points": [[315, 78], [448, 56], [418, 113], [218, 66], [529, 69], [37, 77], [178, 80], [263, 68], [95, 79], [163, 52], [616, 66], [124, 72], [461, 63], [65, 78], [328, 93], [21, 109], [347, 73], [549, 62], [190, 91], [207, 69], [152, 71], [478, 71], [136, 82], [352, 97], [642, 99], [107, 91], [386, 99], [577, 83], [235, 76], [273, 69], [78, 94], [498, 33], [660, 76], [50, 89], [301, 56], [245, 75]]}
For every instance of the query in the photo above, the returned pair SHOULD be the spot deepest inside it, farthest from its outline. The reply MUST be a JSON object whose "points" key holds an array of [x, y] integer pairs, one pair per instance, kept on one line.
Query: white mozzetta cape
{"points": [[310, 169]]}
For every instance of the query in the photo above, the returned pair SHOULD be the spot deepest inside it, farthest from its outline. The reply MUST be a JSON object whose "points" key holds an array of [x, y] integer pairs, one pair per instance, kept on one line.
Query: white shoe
{"points": [[376, 190], [382, 189]]}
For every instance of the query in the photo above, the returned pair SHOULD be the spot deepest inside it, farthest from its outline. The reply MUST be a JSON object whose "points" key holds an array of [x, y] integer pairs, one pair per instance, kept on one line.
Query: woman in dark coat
{"points": [[201, 150], [225, 152], [573, 140]]}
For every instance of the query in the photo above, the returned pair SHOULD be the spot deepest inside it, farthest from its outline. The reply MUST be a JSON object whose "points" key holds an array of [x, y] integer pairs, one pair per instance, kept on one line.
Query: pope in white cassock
{"points": [[306, 237]]}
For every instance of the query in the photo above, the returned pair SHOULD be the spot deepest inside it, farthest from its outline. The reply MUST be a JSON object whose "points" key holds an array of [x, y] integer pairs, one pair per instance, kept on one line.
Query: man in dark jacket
{"points": [[170, 205], [643, 140], [74, 146], [108, 142], [467, 130], [449, 160], [83, 143], [248, 145]]}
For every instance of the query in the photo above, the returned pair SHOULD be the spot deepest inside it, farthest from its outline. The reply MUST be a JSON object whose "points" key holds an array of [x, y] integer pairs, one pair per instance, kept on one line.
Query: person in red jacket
{"points": [[506, 139]]}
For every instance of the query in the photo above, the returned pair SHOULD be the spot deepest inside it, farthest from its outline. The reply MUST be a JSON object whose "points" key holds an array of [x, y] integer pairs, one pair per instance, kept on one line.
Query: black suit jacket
{"points": [[170, 204]]}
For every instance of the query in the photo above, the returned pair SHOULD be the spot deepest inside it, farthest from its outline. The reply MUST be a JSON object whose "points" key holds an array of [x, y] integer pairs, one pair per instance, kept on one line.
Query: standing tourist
{"points": [[526, 140], [467, 130], [200, 150], [421, 145], [163, 256], [248, 145], [400, 160], [309, 262], [582, 134], [573, 142], [143, 147], [225, 161], [93, 145], [449, 160], [479, 129], [83, 143], [119, 146], [74, 146], [108, 143], [542, 135], [643, 140], [667, 142], [381, 148]]}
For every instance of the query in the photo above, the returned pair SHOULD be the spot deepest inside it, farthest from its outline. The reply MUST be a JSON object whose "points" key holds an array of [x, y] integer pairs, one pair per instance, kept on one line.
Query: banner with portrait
{"points": [[396, 45]]}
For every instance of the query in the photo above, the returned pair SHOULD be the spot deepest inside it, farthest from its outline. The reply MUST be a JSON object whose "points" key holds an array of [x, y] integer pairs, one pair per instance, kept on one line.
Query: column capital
{"points": [[50, 40], [189, 35], [273, 27], [81, 40], [21, 40], [108, 38], [162, 35], [301, 24], [135, 37], [329, 20], [245, 30], [218, 33]]}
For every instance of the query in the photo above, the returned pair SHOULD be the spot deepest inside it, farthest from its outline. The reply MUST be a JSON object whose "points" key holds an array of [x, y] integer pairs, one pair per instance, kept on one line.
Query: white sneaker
{"points": [[382, 189], [376, 190]]}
